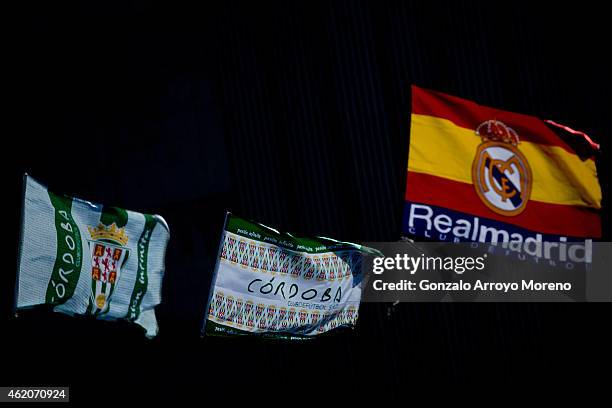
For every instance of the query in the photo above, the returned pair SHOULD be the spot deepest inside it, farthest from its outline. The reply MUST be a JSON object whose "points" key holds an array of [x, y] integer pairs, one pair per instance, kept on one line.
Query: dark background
{"points": [[294, 114]]}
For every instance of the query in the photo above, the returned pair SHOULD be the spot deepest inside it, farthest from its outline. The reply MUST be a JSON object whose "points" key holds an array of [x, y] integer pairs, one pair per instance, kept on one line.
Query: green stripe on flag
{"points": [[140, 286], [262, 233], [69, 256], [115, 215]]}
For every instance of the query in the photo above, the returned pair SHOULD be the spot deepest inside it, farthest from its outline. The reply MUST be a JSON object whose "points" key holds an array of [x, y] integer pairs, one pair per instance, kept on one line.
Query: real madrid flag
{"points": [[481, 174], [277, 285], [88, 259]]}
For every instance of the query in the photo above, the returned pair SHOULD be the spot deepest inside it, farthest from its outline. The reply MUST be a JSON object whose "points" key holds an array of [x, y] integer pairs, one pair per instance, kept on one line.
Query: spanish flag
{"points": [[481, 174]]}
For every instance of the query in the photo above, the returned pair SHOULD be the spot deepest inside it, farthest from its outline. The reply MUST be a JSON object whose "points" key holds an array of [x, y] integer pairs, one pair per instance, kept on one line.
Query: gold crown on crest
{"points": [[496, 131], [113, 233]]}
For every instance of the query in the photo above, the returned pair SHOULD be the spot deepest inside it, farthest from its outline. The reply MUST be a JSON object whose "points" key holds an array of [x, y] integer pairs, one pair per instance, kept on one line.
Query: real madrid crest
{"points": [[500, 172]]}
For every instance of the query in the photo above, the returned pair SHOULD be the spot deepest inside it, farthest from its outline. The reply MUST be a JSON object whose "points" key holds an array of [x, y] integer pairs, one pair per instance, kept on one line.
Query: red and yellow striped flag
{"points": [[477, 173]]}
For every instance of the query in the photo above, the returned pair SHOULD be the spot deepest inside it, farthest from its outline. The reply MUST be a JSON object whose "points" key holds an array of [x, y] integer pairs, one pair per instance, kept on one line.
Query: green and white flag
{"points": [[88, 259], [276, 285]]}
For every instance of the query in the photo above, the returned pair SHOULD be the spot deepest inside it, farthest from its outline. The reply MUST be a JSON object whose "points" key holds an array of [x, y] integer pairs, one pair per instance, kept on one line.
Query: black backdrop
{"points": [[294, 114]]}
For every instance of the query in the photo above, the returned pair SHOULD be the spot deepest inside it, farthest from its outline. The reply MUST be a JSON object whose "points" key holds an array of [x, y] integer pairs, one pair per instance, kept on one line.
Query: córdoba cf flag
{"points": [[277, 285], [88, 259]]}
